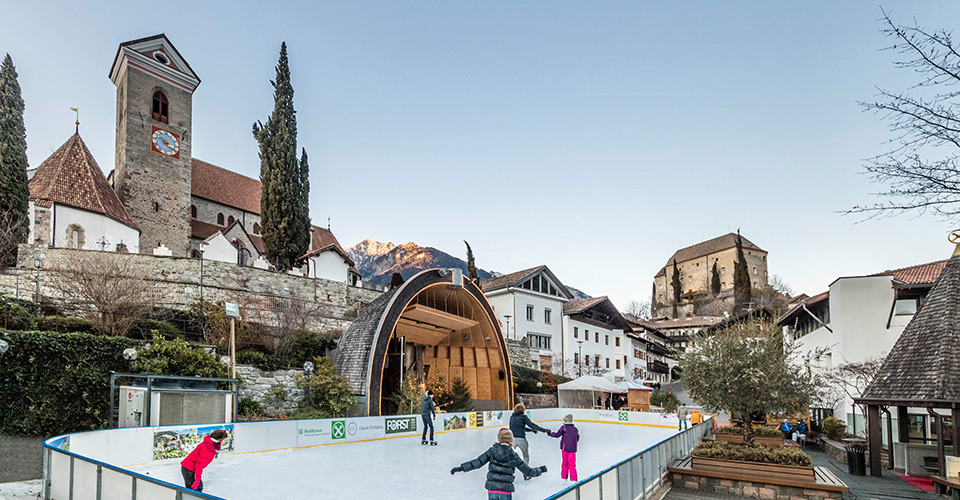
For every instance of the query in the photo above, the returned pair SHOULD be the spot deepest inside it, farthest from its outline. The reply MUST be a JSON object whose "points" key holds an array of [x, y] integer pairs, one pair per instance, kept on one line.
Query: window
{"points": [[596, 360], [536, 341], [230, 220], [754, 270], [586, 360], [256, 228], [618, 364], [220, 219], [546, 316], [576, 358], [596, 337], [156, 206], [160, 107], [195, 253], [193, 211], [723, 284], [917, 425], [906, 307], [576, 331], [617, 339], [529, 313], [723, 270], [606, 340], [608, 362]]}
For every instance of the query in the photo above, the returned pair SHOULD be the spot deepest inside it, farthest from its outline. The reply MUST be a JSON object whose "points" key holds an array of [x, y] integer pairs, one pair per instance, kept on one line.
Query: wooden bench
{"points": [[820, 478], [947, 485]]}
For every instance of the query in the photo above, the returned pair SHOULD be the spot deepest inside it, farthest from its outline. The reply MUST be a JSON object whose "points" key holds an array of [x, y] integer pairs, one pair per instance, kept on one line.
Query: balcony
{"points": [[658, 366], [659, 349]]}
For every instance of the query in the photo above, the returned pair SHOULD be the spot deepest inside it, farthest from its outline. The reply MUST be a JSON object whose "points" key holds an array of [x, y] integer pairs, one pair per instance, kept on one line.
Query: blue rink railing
{"points": [[640, 475]]}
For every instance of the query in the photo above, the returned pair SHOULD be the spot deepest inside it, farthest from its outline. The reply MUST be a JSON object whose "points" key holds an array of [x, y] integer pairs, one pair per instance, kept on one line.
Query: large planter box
{"points": [[758, 470], [761, 440]]}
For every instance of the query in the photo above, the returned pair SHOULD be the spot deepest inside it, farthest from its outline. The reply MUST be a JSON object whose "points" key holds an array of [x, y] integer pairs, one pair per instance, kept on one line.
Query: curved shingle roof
{"points": [[352, 355]]}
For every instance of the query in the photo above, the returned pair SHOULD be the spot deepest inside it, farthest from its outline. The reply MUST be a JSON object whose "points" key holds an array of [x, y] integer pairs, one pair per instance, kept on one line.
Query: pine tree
{"points": [[284, 204], [715, 280], [396, 280], [741, 279], [676, 287], [14, 191], [460, 397], [471, 265]]}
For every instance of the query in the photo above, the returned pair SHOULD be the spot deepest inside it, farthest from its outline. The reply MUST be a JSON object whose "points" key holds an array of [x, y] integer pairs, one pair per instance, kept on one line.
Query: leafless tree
{"points": [[920, 169], [777, 283], [853, 378], [112, 289], [638, 310]]}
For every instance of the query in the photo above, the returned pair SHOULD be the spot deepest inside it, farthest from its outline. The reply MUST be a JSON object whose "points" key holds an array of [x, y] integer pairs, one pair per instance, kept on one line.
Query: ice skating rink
{"points": [[401, 468]]}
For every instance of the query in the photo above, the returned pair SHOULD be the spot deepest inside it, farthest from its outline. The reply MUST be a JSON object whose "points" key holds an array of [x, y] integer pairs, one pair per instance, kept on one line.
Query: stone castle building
{"points": [[159, 199], [695, 263]]}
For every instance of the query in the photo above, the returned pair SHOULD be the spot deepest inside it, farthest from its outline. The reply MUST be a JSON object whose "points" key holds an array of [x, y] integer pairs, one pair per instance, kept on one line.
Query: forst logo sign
{"points": [[338, 429], [400, 424]]}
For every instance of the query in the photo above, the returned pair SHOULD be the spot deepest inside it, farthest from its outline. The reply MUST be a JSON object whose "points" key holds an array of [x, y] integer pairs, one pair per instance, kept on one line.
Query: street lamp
{"points": [[308, 367], [507, 316], [129, 354], [37, 263], [4, 346], [580, 358]]}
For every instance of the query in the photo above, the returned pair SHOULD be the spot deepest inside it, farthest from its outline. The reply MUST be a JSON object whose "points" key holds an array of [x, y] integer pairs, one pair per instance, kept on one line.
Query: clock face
{"points": [[165, 142]]}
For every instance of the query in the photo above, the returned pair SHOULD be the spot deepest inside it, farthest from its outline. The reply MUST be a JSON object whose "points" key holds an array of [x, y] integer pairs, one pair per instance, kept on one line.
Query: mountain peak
{"points": [[378, 261]]}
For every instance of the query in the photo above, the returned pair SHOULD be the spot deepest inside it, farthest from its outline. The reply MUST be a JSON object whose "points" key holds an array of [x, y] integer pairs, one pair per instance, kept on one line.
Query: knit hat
{"points": [[505, 436], [568, 419]]}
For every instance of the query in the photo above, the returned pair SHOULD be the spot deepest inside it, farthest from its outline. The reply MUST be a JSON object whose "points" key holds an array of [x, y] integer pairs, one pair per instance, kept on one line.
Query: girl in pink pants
{"points": [[569, 435]]}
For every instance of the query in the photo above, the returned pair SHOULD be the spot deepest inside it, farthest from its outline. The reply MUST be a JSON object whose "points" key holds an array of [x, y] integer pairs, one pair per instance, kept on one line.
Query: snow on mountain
{"points": [[378, 261]]}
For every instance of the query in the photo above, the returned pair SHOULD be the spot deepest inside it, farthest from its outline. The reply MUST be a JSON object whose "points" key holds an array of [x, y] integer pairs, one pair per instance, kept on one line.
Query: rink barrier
{"points": [[92, 465], [640, 475]]}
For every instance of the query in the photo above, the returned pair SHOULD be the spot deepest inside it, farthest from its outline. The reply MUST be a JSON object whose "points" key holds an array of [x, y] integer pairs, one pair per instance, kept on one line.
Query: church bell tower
{"points": [[152, 170]]}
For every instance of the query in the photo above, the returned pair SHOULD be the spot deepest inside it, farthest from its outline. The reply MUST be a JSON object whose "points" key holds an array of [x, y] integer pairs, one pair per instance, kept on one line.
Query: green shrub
{"points": [[57, 383], [664, 399], [780, 455], [248, 408], [302, 346], [143, 328], [525, 380], [60, 324], [260, 360], [757, 431], [834, 428], [175, 357], [17, 314], [326, 394]]}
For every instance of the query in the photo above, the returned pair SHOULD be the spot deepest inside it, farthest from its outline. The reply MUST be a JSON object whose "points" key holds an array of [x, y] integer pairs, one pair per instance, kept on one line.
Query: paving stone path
{"points": [[21, 458]]}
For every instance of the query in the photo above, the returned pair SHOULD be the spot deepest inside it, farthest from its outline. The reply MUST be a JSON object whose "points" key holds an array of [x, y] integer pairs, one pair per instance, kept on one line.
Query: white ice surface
{"points": [[400, 469]]}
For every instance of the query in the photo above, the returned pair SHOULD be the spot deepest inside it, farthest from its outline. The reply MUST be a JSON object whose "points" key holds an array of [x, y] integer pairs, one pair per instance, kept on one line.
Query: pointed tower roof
{"points": [[924, 364], [70, 176]]}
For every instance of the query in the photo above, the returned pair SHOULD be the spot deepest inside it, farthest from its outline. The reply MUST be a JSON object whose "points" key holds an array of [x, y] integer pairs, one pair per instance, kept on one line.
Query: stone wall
{"points": [[276, 391], [538, 400], [749, 489], [178, 281]]}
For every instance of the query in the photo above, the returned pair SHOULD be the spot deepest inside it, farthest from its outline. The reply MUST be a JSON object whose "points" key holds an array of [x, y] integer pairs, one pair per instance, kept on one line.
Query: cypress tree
{"points": [[14, 192], [396, 280], [284, 204], [676, 287], [653, 300], [741, 279], [715, 280], [471, 265]]}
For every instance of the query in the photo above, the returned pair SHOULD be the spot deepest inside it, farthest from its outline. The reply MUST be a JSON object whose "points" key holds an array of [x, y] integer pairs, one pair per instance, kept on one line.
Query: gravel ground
{"points": [[21, 458]]}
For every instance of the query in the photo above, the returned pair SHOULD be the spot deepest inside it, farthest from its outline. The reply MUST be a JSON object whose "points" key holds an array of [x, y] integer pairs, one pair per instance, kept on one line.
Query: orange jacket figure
{"points": [[696, 417]]}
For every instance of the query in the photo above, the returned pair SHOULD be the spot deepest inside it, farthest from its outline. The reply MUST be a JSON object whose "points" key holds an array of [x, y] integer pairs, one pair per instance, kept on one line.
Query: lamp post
{"points": [[4, 346], [507, 334], [579, 358], [37, 263]]}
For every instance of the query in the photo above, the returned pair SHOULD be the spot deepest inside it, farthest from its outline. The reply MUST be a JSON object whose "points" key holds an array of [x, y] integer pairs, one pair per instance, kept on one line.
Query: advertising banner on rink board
{"points": [[314, 432], [608, 415], [491, 418], [475, 419]]}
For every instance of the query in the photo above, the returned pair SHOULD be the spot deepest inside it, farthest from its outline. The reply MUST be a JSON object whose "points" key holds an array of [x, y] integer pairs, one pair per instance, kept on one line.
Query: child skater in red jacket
{"points": [[198, 459]]}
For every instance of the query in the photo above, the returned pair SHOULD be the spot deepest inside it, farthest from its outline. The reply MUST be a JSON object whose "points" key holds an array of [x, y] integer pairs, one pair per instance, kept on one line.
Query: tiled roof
{"points": [[321, 238], [809, 301], [71, 176], [508, 279], [220, 185], [685, 322], [203, 230], [575, 306], [924, 364], [918, 275], [708, 247]]}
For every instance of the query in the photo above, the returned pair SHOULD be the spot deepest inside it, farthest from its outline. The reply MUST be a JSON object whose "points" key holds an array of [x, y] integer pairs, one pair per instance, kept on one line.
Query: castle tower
{"points": [[151, 176]]}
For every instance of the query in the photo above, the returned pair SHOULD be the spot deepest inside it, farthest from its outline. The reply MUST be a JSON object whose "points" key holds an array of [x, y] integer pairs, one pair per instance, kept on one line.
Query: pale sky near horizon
{"points": [[594, 137]]}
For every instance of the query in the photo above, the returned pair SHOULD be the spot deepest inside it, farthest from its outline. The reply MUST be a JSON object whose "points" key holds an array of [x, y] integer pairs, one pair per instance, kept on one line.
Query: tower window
{"points": [[160, 107], [220, 219], [156, 206], [230, 220], [193, 211], [256, 228]]}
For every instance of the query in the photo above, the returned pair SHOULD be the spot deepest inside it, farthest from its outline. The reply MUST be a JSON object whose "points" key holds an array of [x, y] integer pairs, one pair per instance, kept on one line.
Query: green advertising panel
{"points": [[395, 425]]}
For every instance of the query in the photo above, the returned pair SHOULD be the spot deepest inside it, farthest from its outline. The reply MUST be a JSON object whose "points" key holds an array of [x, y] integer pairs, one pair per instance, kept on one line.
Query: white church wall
{"points": [[329, 265], [73, 226], [218, 248]]}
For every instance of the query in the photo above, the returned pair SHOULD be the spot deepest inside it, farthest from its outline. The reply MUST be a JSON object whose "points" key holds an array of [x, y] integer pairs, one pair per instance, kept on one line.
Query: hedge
{"points": [[60, 324], [757, 431], [780, 455], [57, 383]]}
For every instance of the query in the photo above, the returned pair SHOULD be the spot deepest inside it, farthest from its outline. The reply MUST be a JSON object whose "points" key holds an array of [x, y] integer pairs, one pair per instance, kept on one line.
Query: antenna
{"points": [[77, 122]]}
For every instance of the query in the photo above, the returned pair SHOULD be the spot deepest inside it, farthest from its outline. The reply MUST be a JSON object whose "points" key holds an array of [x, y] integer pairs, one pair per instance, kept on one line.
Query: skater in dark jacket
{"points": [[192, 467], [428, 412], [520, 423], [503, 460]]}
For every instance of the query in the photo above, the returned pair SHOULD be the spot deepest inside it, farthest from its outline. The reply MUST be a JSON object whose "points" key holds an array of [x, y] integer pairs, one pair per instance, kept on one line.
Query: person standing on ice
{"points": [[428, 412], [520, 423], [192, 467], [503, 461], [569, 435], [682, 416]]}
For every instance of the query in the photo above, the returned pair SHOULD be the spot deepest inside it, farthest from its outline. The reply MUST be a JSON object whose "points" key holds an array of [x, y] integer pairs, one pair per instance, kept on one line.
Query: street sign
{"points": [[232, 310]]}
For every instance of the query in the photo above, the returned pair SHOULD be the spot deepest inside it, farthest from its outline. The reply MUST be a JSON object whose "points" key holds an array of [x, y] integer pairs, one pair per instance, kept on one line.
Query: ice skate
{"points": [[433, 443], [424, 442]]}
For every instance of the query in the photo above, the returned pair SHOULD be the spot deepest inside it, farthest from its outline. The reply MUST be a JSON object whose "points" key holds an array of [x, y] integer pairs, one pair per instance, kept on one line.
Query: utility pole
{"points": [[580, 358]]}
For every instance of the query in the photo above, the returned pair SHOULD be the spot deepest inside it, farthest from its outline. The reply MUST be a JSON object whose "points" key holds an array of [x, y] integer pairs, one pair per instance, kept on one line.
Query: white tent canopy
{"points": [[626, 384], [581, 392]]}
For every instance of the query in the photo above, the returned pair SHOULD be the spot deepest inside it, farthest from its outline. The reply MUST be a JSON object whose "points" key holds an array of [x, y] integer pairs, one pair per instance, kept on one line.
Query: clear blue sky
{"points": [[594, 137]]}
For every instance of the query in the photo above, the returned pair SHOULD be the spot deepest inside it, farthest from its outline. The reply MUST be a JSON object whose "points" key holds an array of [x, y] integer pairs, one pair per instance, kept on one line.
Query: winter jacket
{"points": [[200, 457], [785, 427], [503, 460], [802, 428], [569, 435], [520, 422], [427, 407], [682, 412]]}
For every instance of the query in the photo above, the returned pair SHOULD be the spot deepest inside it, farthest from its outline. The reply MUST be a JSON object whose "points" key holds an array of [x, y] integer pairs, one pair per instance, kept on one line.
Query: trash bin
{"points": [[856, 456]]}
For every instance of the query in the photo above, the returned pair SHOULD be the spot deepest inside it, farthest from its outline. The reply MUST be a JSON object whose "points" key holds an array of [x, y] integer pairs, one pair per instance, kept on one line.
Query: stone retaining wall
{"points": [[538, 400], [265, 388], [749, 489]]}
